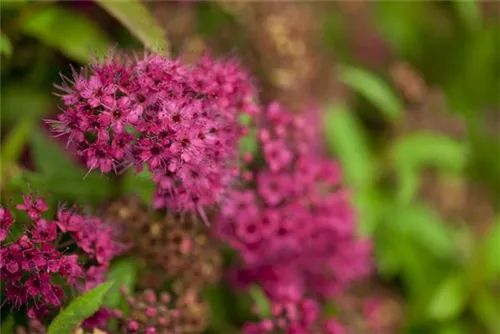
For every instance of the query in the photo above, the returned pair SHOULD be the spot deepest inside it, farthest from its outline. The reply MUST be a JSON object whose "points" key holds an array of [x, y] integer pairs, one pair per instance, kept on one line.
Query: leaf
{"points": [[123, 273], [260, 300], [346, 138], [139, 183], [50, 159], [7, 325], [374, 90], [487, 310], [71, 33], [80, 308], [5, 45], [470, 13], [491, 251], [449, 299], [138, 20], [412, 152], [19, 102], [15, 141]]}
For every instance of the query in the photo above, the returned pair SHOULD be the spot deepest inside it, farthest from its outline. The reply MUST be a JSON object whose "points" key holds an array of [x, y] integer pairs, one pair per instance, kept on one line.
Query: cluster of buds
{"points": [[174, 249], [73, 247], [180, 122]]}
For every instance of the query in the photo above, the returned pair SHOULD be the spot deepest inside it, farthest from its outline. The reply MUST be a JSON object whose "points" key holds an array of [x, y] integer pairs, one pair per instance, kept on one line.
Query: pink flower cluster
{"points": [[179, 121], [295, 231], [76, 248]]}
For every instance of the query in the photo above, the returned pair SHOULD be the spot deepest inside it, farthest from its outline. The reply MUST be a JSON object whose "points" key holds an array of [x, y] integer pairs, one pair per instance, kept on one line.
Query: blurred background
{"points": [[410, 94]]}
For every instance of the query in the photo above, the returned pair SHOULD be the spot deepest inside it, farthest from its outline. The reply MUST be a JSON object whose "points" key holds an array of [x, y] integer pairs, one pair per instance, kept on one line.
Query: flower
{"points": [[36, 265], [5, 223], [178, 121]]}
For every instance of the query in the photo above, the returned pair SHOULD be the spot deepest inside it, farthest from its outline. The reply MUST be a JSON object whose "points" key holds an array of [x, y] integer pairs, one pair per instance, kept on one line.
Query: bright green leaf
{"points": [[7, 325], [449, 299], [80, 308], [260, 300], [374, 90], [138, 20], [412, 152], [71, 33], [5, 45], [346, 139], [123, 273], [470, 13], [14, 143], [491, 251]]}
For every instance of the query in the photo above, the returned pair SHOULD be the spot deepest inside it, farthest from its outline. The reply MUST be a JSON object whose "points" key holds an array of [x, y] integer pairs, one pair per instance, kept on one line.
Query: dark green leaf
{"points": [[486, 308], [81, 308], [123, 273], [69, 32], [139, 183], [449, 299], [260, 301], [138, 20], [5, 45], [346, 138], [374, 90], [19, 102], [470, 13], [7, 325], [14, 143]]}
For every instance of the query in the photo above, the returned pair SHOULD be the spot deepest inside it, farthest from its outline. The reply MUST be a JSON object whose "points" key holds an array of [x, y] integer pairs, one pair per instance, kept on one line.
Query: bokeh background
{"points": [[410, 95]]}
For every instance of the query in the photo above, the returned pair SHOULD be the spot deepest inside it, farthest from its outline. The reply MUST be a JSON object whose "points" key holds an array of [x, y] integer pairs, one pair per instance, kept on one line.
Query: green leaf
{"points": [[374, 90], [139, 183], [69, 32], [138, 20], [470, 13], [412, 152], [19, 102], [491, 252], [346, 138], [80, 308], [15, 141], [7, 325], [486, 309], [260, 300], [449, 299], [123, 273], [5, 45], [50, 159]]}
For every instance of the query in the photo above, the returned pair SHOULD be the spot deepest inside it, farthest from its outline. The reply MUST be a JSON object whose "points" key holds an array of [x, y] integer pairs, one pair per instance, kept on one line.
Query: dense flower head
{"points": [[179, 122], [76, 248], [295, 231]]}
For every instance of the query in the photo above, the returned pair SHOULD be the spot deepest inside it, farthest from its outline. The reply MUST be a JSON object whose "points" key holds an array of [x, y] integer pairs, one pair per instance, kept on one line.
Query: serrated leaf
{"points": [[7, 325], [346, 139], [449, 299], [82, 307], [260, 301], [123, 272], [138, 20], [5, 45], [67, 31], [374, 90]]}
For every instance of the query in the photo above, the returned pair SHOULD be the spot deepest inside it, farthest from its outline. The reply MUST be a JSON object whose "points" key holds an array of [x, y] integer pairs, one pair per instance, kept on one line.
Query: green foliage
{"points": [[67, 31], [80, 308], [5, 45], [140, 184], [260, 301], [123, 272], [449, 299], [135, 16], [374, 90], [7, 325]]}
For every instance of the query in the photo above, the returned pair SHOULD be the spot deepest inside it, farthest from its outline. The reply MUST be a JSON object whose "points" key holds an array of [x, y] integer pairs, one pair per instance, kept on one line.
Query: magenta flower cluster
{"points": [[295, 231], [74, 247], [178, 121]]}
